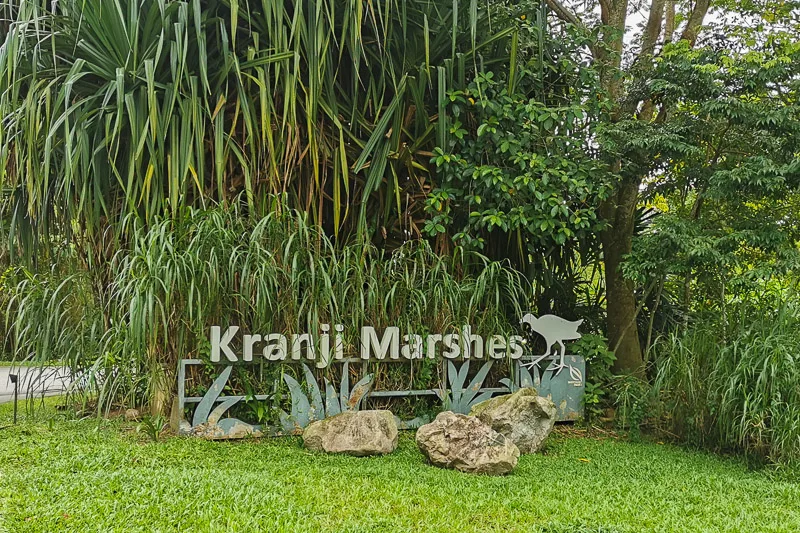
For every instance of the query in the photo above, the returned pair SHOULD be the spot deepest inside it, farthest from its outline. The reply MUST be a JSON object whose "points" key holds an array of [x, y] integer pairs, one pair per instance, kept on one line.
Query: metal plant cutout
{"points": [[554, 329], [459, 398], [313, 397], [207, 419], [308, 408], [308, 404]]}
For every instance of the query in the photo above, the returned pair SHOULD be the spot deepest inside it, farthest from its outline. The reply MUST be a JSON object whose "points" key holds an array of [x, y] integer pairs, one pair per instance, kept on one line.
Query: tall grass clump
{"points": [[736, 386], [180, 276], [50, 318]]}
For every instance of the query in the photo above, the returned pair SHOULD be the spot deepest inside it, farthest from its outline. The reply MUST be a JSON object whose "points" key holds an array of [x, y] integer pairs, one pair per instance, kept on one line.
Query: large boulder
{"points": [[524, 417], [465, 443], [356, 433]]}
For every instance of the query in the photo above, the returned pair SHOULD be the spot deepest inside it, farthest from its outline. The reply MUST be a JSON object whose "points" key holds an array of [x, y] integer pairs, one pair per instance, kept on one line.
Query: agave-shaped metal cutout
{"points": [[206, 413], [458, 398], [306, 410], [524, 379]]}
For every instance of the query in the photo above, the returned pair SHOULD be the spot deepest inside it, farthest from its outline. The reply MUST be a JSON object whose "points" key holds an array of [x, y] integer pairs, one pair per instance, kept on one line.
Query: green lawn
{"points": [[61, 475]]}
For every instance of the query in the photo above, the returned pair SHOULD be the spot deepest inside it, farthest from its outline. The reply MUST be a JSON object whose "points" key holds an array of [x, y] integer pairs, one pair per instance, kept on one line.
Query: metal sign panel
{"points": [[472, 369]]}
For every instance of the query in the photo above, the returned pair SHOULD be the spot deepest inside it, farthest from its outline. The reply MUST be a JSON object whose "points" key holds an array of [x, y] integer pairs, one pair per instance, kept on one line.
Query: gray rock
{"points": [[524, 417], [465, 443], [184, 428], [356, 433]]}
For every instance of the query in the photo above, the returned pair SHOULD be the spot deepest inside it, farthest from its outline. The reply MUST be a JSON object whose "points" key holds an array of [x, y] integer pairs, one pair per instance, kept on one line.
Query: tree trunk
{"points": [[623, 334], [619, 211]]}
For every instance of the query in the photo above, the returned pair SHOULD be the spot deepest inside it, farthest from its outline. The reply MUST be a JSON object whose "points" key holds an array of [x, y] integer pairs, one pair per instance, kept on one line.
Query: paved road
{"points": [[33, 381]]}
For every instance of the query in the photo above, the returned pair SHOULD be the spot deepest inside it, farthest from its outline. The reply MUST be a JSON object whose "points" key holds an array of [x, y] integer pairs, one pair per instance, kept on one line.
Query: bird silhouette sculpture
{"points": [[554, 329]]}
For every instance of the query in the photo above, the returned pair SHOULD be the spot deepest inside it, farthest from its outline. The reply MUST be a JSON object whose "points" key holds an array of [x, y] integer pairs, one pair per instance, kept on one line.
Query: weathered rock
{"points": [[132, 415], [356, 433], [524, 417], [226, 429], [465, 443], [184, 428]]}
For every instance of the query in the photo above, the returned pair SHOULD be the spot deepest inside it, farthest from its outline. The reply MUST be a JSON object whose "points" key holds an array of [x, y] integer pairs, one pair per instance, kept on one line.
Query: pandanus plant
{"points": [[113, 107]]}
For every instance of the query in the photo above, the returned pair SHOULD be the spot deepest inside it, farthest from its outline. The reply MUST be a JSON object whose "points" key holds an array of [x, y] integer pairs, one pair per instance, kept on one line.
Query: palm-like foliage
{"points": [[112, 107]]}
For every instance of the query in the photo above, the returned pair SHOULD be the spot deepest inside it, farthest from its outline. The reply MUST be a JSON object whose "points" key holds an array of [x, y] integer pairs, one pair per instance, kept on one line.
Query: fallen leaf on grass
{"points": [[584, 460]]}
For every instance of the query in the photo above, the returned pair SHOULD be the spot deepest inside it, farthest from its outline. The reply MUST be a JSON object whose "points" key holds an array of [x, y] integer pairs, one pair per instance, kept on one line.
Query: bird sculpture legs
{"points": [[560, 365], [555, 367], [537, 360]]}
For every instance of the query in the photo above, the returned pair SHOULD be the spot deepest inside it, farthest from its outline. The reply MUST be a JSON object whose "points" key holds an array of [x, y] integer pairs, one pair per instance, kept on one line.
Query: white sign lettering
{"points": [[328, 345]]}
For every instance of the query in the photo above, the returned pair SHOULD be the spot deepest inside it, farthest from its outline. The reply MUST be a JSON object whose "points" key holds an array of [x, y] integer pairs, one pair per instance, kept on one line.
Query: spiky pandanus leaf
{"points": [[150, 106]]}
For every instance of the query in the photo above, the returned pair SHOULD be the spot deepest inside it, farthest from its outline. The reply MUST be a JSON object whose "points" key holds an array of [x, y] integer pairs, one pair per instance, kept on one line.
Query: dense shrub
{"points": [[735, 385]]}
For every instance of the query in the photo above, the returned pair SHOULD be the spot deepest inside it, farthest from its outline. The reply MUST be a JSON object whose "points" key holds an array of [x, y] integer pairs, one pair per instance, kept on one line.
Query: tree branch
{"points": [[605, 9], [564, 13], [568, 16], [696, 18], [653, 28], [669, 23]]}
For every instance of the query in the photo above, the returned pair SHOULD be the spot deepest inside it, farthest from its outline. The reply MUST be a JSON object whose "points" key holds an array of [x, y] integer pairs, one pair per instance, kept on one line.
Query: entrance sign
{"points": [[472, 368]]}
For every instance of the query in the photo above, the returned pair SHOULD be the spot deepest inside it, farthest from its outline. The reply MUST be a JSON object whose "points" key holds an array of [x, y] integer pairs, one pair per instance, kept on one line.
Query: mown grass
{"points": [[61, 475]]}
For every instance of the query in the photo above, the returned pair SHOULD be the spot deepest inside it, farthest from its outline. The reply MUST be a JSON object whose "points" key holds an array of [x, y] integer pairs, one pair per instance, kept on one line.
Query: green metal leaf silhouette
{"points": [[346, 400], [316, 407], [460, 399], [522, 379], [203, 410], [353, 401], [300, 406], [332, 405]]}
